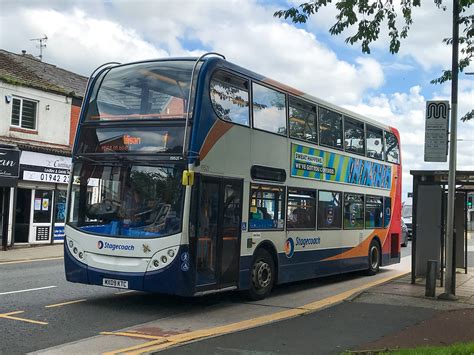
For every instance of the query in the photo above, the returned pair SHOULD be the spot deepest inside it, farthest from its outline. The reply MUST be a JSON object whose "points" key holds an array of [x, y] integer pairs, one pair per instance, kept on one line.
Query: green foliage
{"points": [[369, 16]]}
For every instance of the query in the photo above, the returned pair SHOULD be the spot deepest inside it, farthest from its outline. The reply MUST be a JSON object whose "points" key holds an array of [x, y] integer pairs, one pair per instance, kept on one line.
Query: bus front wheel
{"points": [[262, 274], [374, 258]]}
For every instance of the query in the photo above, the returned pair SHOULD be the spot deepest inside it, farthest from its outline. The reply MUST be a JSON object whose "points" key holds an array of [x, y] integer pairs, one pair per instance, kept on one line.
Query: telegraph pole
{"points": [[450, 284]]}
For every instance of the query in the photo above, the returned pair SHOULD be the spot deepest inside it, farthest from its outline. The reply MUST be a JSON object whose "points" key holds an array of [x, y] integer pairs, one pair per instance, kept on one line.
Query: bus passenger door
{"points": [[218, 233]]}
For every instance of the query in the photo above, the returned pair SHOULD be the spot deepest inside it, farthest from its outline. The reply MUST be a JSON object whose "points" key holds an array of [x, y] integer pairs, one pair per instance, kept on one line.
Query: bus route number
{"points": [[54, 178]]}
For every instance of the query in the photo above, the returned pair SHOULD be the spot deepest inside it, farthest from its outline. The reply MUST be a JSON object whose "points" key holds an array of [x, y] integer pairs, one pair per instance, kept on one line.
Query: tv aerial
{"points": [[42, 44]]}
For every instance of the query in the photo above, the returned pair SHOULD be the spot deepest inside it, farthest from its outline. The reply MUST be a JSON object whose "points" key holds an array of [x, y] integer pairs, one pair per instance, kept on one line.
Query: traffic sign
{"points": [[436, 131]]}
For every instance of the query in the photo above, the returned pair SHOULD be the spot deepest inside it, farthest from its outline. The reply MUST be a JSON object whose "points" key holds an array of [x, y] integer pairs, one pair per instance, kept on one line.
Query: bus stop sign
{"points": [[436, 131]]}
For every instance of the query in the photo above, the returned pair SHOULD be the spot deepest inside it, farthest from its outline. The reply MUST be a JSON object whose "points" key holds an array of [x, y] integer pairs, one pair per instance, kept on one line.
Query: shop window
{"points": [[392, 149], [353, 211], [303, 123], [373, 212], [329, 210], [269, 109], [330, 128], [230, 97], [24, 113], [301, 209], [266, 207], [354, 140], [374, 143]]}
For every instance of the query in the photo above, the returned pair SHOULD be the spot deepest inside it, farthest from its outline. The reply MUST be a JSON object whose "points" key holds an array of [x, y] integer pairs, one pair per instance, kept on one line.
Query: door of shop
{"points": [[42, 216]]}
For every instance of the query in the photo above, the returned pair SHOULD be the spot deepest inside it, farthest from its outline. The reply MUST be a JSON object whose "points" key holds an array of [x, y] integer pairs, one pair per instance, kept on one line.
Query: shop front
{"points": [[9, 171], [40, 202]]}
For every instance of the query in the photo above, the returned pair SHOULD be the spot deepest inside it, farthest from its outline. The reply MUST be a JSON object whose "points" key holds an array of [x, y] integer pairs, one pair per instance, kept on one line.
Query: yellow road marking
{"points": [[65, 303], [172, 340], [133, 335], [29, 260], [9, 316]]}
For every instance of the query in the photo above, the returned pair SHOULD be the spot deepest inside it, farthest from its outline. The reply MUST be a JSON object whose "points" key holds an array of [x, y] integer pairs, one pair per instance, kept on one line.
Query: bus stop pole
{"points": [[448, 286]]}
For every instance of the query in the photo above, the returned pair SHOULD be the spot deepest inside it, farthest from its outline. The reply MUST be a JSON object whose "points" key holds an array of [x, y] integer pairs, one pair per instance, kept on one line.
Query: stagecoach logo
{"points": [[113, 247], [289, 247]]}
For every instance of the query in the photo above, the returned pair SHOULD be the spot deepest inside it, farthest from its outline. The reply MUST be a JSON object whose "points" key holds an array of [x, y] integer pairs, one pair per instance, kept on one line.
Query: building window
{"points": [[353, 211], [269, 109], [303, 124], [24, 113], [266, 207], [354, 140], [329, 210], [374, 143], [392, 149], [330, 128], [230, 97], [373, 212], [301, 209]]}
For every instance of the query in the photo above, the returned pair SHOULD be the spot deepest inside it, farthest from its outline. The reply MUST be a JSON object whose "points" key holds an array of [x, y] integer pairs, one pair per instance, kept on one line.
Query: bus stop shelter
{"points": [[429, 220]]}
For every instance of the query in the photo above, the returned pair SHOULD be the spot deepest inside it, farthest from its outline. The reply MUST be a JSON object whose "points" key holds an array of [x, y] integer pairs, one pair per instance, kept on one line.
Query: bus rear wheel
{"points": [[374, 258], [262, 274]]}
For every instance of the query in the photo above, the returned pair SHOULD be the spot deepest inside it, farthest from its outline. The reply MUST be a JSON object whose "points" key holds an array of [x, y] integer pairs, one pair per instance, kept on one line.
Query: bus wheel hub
{"points": [[264, 274]]}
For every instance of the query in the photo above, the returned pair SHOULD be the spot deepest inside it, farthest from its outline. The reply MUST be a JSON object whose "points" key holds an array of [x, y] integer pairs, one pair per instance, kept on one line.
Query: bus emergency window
{"points": [[301, 209], [374, 143], [303, 124], [266, 207], [373, 212], [353, 211], [330, 128], [230, 97], [387, 211], [392, 149], [269, 109], [354, 140], [329, 210]]}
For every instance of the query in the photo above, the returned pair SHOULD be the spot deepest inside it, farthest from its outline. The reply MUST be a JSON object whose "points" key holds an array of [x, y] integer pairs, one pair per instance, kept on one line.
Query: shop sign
{"points": [[9, 163], [45, 167]]}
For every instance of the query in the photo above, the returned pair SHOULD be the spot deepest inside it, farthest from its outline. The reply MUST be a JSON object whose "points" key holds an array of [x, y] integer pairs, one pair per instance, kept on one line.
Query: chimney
{"points": [[23, 52]]}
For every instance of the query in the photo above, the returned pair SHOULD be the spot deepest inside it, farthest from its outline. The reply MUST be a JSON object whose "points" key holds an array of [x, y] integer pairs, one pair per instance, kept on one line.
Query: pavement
{"points": [[390, 315]]}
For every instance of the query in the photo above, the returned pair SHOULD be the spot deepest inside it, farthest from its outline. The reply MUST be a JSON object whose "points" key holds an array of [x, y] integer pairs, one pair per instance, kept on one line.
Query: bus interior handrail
{"points": [[185, 142]]}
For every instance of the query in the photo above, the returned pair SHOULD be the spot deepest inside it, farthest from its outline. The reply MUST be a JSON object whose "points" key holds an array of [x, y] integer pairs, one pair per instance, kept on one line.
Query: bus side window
{"points": [[329, 210], [374, 143], [392, 149], [373, 212], [230, 97], [330, 128], [266, 207]]}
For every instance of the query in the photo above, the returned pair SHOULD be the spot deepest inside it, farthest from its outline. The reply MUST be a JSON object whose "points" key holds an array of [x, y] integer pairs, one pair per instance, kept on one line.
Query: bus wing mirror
{"points": [[188, 178]]}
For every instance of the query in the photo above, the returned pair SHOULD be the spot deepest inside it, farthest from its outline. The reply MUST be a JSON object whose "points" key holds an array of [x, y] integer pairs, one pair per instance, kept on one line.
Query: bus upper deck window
{"points": [[392, 149], [230, 97], [269, 109], [374, 142], [330, 128]]}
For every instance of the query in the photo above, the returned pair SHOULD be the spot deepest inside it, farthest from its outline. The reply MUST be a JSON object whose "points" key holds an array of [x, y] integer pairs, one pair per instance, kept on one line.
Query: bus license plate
{"points": [[115, 283]]}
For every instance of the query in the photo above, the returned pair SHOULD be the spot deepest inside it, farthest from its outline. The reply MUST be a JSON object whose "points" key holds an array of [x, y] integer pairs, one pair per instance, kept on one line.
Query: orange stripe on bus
{"points": [[217, 131]]}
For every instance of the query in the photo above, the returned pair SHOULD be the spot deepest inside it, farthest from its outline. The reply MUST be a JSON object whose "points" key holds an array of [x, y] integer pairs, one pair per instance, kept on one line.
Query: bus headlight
{"points": [[156, 263], [162, 258], [170, 253]]}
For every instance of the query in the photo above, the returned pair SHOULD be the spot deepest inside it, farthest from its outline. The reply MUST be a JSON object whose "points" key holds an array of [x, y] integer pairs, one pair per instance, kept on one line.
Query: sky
{"points": [[391, 89]]}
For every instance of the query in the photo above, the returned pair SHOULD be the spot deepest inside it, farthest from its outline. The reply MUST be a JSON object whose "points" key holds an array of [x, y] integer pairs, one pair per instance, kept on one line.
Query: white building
{"points": [[39, 110]]}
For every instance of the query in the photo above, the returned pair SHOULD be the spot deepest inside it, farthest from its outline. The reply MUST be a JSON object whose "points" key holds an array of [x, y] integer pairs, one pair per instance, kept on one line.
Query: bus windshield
{"points": [[126, 200], [152, 90]]}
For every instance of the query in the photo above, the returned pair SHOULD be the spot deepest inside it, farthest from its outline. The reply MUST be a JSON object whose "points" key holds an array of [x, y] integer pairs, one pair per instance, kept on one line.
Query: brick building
{"points": [[39, 110]]}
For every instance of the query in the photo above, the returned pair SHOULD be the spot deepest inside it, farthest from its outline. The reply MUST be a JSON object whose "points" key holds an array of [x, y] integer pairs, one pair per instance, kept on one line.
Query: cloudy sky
{"points": [[389, 88]]}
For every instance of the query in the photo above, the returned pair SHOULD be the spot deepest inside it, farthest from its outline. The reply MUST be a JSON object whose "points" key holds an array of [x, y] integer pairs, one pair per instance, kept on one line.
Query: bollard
{"points": [[431, 269]]}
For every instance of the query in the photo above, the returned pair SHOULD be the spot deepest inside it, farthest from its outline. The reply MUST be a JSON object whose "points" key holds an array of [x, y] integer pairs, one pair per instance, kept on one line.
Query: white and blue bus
{"points": [[192, 176]]}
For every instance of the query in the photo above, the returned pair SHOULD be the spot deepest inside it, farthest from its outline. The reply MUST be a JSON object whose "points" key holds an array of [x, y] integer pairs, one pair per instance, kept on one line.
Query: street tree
{"points": [[369, 17]]}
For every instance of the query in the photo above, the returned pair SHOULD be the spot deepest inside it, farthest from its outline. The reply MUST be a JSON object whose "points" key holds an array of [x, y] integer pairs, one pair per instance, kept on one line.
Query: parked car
{"points": [[407, 216], [404, 239]]}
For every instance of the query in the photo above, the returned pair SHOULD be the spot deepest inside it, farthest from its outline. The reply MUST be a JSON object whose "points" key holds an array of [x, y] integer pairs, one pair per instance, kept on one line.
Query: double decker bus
{"points": [[192, 176]]}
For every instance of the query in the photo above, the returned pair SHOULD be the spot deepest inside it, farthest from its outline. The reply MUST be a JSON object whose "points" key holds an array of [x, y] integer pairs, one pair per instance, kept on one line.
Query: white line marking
{"points": [[28, 290]]}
